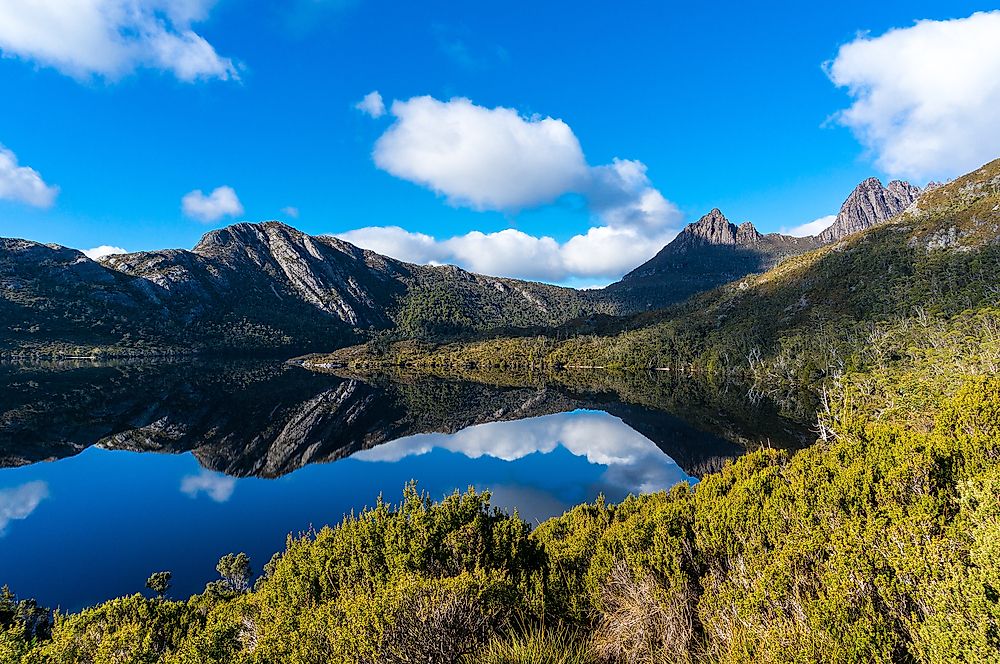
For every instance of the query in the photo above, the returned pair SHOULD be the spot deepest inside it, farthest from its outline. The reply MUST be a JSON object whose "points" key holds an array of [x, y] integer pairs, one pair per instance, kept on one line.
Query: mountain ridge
{"points": [[268, 287], [712, 250], [249, 286]]}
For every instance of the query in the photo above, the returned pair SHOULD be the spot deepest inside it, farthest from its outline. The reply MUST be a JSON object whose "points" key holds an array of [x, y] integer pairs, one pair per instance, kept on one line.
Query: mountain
{"points": [[261, 287], [868, 205], [713, 251], [267, 287], [710, 252], [904, 305]]}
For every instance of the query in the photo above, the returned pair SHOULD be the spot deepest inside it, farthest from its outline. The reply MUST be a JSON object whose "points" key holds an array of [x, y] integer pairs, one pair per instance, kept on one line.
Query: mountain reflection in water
{"points": [[238, 454]]}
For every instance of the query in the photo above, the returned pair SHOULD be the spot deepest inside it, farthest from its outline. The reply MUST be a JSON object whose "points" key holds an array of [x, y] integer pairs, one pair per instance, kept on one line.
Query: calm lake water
{"points": [[108, 473]]}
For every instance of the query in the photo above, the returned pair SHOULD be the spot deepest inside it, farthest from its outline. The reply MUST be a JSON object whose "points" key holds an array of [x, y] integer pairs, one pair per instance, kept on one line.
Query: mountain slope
{"points": [[259, 286], [707, 253], [712, 251], [911, 305]]}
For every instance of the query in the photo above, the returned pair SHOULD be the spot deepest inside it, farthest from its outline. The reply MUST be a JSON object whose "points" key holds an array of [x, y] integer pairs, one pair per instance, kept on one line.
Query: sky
{"points": [[558, 141]]}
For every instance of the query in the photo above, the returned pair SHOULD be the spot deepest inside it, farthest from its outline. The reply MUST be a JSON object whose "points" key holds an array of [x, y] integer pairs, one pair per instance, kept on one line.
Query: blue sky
{"points": [[724, 105]]}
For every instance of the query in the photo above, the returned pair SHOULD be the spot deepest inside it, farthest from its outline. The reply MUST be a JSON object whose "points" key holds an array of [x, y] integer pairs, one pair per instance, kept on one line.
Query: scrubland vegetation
{"points": [[878, 543]]}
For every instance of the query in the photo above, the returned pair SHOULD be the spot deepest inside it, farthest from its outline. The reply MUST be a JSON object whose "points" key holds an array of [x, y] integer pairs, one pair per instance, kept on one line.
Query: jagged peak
{"points": [[712, 228], [869, 204], [714, 216], [747, 233]]}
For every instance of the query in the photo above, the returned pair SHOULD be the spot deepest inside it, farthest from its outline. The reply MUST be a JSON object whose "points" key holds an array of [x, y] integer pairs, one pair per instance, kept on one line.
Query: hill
{"points": [[893, 300], [249, 287]]}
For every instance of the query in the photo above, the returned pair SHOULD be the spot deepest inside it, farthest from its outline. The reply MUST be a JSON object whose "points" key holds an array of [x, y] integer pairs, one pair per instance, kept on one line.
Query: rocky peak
{"points": [[246, 236], [747, 234], [868, 205], [713, 228]]}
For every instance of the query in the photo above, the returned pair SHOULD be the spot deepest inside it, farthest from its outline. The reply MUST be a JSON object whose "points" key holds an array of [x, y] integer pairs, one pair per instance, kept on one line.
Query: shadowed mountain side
{"points": [[267, 420], [262, 287], [712, 251]]}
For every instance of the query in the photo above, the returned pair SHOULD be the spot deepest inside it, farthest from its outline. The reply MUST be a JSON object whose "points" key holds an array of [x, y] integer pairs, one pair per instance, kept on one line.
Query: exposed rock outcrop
{"points": [[258, 287], [868, 205]]}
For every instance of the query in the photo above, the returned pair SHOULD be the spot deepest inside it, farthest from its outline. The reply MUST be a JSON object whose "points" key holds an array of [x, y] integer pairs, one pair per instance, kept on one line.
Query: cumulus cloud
{"points": [[814, 227], [291, 211], [497, 159], [222, 202], [102, 251], [483, 158], [217, 487], [372, 105], [926, 96], [602, 253], [23, 184], [111, 38], [19, 502]]}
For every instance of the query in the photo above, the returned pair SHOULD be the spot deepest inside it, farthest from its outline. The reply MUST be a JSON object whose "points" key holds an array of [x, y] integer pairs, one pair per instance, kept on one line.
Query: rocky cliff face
{"points": [[712, 251], [255, 287], [868, 205], [707, 253], [274, 266]]}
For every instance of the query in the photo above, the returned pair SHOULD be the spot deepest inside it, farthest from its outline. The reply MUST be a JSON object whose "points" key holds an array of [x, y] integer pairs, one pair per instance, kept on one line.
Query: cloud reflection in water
{"points": [[19, 502], [634, 463]]}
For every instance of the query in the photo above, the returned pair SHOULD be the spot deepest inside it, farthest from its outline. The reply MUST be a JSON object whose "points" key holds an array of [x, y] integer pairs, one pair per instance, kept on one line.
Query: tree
{"points": [[159, 583], [235, 572]]}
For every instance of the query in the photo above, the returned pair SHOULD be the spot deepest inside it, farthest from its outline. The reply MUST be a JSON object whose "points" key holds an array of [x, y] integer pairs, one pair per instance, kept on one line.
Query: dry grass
{"points": [[644, 622]]}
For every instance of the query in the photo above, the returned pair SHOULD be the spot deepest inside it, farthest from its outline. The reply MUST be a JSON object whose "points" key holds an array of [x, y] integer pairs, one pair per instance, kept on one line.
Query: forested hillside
{"points": [[899, 300]]}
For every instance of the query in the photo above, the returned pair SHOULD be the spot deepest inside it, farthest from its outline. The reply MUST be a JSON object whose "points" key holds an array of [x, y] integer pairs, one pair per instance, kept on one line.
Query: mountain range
{"points": [[914, 299], [713, 251], [267, 287]]}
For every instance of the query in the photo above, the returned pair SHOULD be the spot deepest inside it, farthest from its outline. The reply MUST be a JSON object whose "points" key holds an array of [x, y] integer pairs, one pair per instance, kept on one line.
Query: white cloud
{"points": [[926, 96], [372, 105], [603, 252], [111, 38], [497, 159], [291, 211], [483, 158], [222, 202], [217, 487], [20, 501], [102, 251], [814, 227], [622, 195], [398, 243], [23, 184]]}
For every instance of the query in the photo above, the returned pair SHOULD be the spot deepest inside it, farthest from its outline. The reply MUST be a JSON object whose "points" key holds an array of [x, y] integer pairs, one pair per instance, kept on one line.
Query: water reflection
{"points": [[170, 467], [634, 464], [19, 502], [214, 485]]}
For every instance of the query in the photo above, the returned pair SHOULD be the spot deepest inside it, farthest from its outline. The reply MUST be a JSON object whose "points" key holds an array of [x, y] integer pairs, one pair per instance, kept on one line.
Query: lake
{"points": [[110, 472]]}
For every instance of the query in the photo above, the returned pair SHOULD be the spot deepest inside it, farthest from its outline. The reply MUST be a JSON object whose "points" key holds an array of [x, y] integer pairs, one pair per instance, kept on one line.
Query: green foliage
{"points": [[879, 543], [159, 582], [236, 573]]}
